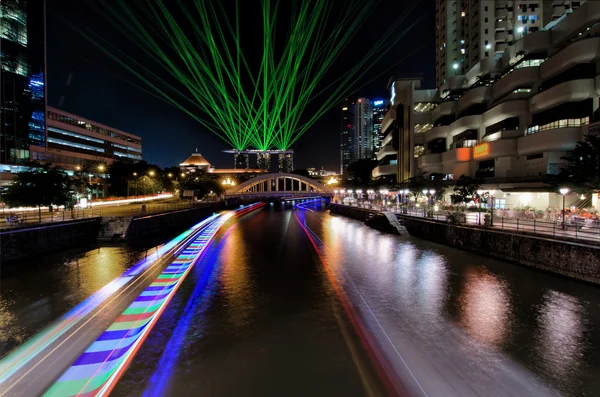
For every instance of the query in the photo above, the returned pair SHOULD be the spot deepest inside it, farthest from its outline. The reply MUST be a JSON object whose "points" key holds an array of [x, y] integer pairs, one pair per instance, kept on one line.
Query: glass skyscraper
{"points": [[347, 136], [378, 115], [23, 79]]}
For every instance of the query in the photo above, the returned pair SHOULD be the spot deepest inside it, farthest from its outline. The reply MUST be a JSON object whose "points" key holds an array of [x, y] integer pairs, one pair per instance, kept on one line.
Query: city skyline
{"points": [[73, 78]]}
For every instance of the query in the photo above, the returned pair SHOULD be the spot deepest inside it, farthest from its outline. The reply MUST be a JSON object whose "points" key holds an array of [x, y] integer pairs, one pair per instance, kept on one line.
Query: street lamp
{"points": [[492, 192], [170, 175], [563, 191], [479, 194]]}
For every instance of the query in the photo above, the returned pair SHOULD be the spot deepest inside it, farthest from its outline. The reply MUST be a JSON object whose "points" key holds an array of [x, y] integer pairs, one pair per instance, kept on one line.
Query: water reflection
{"points": [[485, 306], [30, 299], [432, 279], [237, 284], [560, 341]]}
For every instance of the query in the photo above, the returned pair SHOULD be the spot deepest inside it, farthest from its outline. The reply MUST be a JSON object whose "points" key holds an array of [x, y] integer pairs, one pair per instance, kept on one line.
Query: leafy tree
{"points": [[581, 172], [43, 185], [201, 184], [360, 171], [466, 187], [169, 178], [436, 181]]}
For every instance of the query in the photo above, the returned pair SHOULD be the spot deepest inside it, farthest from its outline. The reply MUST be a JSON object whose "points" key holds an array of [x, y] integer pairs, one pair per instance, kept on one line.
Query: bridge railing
{"points": [[279, 194]]}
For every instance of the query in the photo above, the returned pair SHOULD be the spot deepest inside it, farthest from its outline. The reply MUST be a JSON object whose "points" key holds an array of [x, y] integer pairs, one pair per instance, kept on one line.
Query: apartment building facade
{"points": [[509, 120], [468, 31]]}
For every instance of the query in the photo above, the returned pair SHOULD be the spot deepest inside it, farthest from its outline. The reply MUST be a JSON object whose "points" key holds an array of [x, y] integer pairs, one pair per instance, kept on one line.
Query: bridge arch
{"points": [[280, 183]]}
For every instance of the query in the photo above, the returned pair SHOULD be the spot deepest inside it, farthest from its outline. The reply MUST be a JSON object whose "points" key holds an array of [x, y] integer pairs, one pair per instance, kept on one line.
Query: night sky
{"points": [[83, 81]]}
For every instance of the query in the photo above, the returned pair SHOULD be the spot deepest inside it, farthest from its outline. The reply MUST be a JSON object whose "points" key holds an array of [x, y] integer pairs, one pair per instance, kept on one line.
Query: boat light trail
{"points": [[98, 369], [23, 354]]}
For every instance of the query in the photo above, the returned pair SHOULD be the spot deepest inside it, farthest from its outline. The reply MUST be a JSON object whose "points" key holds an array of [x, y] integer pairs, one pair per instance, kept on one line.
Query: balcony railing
{"points": [[557, 124]]}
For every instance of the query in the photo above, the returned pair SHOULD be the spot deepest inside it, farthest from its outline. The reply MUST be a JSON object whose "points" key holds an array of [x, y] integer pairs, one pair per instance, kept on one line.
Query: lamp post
{"points": [[425, 191], [563, 191], [492, 192], [358, 196], [432, 198], [479, 193]]}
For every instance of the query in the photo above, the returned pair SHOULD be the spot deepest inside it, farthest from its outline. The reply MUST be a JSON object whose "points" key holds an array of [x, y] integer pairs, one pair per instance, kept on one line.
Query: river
{"points": [[300, 302]]}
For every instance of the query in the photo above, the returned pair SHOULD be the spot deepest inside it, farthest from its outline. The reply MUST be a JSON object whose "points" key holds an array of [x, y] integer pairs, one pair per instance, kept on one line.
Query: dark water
{"points": [[259, 315], [35, 292]]}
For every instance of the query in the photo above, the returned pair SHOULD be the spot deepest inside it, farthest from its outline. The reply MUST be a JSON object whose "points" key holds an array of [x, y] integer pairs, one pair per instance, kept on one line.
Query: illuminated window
{"points": [[566, 123], [75, 145]]}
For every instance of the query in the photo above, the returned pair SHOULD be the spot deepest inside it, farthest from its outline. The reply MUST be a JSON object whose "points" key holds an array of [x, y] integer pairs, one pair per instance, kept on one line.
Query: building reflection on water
{"points": [[485, 306]]}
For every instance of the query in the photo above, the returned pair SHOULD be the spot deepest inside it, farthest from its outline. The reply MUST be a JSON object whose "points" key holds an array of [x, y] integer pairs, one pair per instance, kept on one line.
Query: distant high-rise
{"points": [[468, 31], [378, 115], [22, 79], [347, 136], [363, 129]]}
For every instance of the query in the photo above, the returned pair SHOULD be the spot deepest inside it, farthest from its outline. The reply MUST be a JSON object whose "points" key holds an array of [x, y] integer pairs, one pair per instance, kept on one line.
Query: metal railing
{"points": [[13, 219], [574, 228], [18, 219], [153, 209]]}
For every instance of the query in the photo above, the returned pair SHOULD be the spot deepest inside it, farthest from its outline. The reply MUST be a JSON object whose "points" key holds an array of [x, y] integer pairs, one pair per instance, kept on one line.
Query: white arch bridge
{"points": [[280, 185]]}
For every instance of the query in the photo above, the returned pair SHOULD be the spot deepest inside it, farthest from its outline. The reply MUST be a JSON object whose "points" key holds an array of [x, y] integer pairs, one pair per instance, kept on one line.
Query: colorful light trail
{"points": [[27, 352], [98, 369], [203, 60]]}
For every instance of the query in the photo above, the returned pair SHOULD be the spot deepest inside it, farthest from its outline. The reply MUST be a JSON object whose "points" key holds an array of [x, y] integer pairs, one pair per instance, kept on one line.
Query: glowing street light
{"points": [[101, 167], [170, 175], [151, 173]]}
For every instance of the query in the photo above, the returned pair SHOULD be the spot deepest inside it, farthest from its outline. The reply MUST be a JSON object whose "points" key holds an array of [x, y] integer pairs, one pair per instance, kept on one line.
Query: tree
{"points": [[360, 171], [581, 171], [43, 185], [466, 187], [201, 184]]}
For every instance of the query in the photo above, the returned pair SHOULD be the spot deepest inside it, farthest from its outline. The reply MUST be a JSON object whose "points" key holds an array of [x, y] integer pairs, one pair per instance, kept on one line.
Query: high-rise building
{"points": [[404, 127], [469, 31], [22, 79], [363, 129], [510, 121], [378, 115], [347, 136]]}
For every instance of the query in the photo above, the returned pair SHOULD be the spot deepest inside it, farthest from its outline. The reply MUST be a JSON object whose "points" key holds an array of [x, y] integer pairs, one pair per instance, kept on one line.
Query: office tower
{"points": [[347, 136], [241, 160], [286, 161], [468, 31], [263, 160], [363, 129], [22, 79], [378, 115]]}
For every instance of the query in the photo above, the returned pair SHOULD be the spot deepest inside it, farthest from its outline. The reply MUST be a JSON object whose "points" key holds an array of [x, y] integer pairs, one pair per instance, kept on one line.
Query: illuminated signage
{"points": [[378, 103], [481, 150], [344, 108], [393, 94]]}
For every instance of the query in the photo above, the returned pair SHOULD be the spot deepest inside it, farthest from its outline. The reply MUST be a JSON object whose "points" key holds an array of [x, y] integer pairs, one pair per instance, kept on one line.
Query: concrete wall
{"points": [[170, 221], [21, 243], [360, 214]]}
